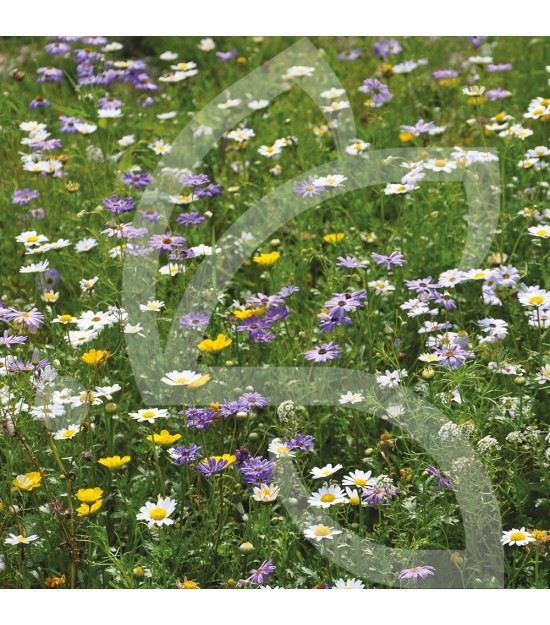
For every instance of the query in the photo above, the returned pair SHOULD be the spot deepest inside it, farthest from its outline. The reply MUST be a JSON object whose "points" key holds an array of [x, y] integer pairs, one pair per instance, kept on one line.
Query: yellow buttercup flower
{"points": [[89, 495], [55, 582], [114, 462], [27, 482], [86, 509], [95, 357], [246, 314], [406, 136], [164, 438], [267, 260], [334, 237], [216, 346]]}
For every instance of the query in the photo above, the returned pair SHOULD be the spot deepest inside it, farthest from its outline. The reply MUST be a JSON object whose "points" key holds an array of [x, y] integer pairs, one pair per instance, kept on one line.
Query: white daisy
{"points": [[517, 537], [358, 478], [152, 306], [157, 513], [67, 433], [327, 496], [348, 584], [280, 450], [320, 532], [351, 398], [324, 471], [185, 378], [20, 540], [149, 414], [265, 492]]}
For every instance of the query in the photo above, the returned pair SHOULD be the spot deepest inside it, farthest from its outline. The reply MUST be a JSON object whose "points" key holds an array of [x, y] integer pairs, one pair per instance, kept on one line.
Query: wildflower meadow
{"points": [[274, 312]]}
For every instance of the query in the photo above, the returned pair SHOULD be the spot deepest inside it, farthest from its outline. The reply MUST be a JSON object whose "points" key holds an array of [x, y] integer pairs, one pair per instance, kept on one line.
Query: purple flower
{"points": [[57, 48], [497, 94], [422, 285], [253, 400], [330, 321], [230, 408], [415, 572], [327, 351], [182, 455], [166, 242], [307, 189], [345, 302], [68, 124], [253, 323], [442, 481], [109, 103], [24, 196], [191, 219], [20, 365], [444, 74], [383, 49], [348, 55], [379, 92], [502, 67], [261, 574], [194, 320], [49, 74], [209, 190], [452, 355], [48, 280], [227, 56], [199, 418], [32, 318], [137, 180], [350, 262], [257, 470], [211, 465], [39, 102], [378, 494], [118, 205], [476, 41], [265, 300], [394, 259], [420, 127], [303, 443], [150, 215], [273, 315], [288, 290], [9, 340], [194, 180], [37, 213]]}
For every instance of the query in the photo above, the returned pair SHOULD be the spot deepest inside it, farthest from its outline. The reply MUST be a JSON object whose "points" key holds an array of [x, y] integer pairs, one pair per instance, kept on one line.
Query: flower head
{"points": [[157, 513]]}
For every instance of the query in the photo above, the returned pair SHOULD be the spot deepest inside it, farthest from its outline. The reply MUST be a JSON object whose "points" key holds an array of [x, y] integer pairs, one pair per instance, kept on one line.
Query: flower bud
{"points": [[247, 547]]}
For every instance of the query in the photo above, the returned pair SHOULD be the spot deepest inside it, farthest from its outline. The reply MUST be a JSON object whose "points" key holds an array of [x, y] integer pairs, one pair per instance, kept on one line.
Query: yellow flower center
{"points": [[360, 482], [354, 501], [517, 536], [148, 414], [68, 433], [440, 162], [65, 318], [283, 451], [157, 514], [536, 299], [328, 498], [180, 381], [322, 530], [32, 239]]}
